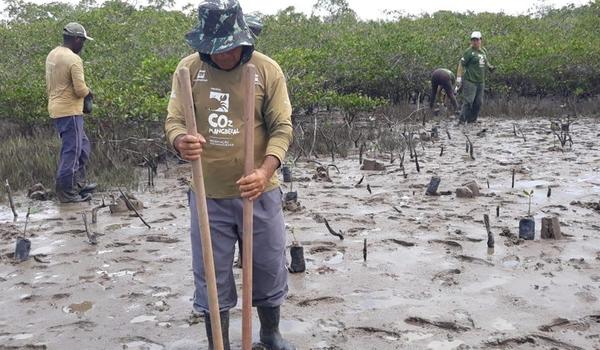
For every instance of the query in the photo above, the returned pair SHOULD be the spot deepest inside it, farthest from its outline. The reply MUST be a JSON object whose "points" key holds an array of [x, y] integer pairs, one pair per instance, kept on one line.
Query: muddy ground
{"points": [[429, 281]]}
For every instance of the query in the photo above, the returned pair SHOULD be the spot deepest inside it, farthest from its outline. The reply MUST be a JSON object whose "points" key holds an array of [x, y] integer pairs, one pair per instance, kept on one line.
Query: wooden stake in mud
{"points": [[513, 179], [10, 199], [185, 87], [248, 80]]}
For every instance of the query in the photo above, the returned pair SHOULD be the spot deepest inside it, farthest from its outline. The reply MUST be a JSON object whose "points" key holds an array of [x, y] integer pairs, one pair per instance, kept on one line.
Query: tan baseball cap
{"points": [[76, 29]]}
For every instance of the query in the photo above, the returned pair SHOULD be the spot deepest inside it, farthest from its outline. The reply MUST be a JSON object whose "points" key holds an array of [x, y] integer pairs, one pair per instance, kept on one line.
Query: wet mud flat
{"points": [[428, 282]]}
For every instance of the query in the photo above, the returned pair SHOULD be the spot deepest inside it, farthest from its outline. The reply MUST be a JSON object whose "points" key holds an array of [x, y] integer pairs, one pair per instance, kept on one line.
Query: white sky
{"points": [[373, 9]]}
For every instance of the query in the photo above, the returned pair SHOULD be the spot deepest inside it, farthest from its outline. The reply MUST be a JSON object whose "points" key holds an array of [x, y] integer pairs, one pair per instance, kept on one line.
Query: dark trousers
{"points": [[74, 152], [472, 101], [441, 79]]}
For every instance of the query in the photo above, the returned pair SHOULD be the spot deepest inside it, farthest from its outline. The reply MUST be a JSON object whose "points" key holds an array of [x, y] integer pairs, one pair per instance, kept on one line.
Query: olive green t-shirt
{"points": [[475, 63], [218, 100], [65, 83]]}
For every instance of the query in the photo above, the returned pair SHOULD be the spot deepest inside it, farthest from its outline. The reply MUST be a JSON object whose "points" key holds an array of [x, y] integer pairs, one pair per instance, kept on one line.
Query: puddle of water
{"points": [[381, 299], [18, 336], [338, 258], [143, 318], [415, 336], [78, 308], [502, 325], [444, 345]]}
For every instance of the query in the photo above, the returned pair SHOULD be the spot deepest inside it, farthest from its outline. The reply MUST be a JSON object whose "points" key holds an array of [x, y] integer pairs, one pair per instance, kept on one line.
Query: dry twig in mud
{"points": [[486, 221], [26, 221], [513, 178], [517, 128], [10, 199], [562, 131], [95, 211], [469, 146], [337, 234], [129, 204], [359, 181], [91, 237], [417, 163]]}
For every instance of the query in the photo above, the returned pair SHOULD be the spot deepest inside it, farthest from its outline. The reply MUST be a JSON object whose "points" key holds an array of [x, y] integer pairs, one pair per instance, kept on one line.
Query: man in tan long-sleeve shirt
{"points": [[224, 44], [66, 88]]}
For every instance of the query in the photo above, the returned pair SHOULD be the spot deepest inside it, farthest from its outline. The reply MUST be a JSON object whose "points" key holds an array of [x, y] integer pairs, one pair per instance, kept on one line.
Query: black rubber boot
{"points": [[270, 337], [85, 188], [224, 330], [82, 185], [72, 196]]}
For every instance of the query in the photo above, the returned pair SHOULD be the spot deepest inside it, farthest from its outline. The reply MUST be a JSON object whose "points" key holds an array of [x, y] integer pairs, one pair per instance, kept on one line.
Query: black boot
{"points": [[85, 188], [71, 196], [82, 185], [269, 329], [224, 330]]}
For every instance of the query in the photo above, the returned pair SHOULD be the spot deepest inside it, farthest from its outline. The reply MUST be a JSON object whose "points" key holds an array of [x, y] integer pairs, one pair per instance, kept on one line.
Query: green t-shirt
{"points": [[474, 62]]}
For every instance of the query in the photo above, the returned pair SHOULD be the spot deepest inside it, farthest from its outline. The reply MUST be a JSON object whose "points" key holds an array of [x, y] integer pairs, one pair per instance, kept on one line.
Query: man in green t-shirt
{"points": [[474, 63], [224, 44]]}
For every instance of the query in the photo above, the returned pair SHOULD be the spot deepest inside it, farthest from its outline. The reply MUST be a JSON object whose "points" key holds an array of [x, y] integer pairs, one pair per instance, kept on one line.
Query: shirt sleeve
{"points": [[175, 121], [81, 90], [278, 118]]}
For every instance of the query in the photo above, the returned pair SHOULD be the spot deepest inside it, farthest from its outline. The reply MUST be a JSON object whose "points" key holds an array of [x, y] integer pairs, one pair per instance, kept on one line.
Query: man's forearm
{"points": [[270, 165]]}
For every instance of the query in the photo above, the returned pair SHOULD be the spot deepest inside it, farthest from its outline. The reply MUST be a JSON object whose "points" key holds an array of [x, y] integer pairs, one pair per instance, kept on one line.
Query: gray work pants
{"points": [[269, 287]]}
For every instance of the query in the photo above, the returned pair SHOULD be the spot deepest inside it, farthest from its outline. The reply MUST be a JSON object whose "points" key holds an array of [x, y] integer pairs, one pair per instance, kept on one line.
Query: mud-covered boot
{"points": [[224, 330], [82, 185], [71, 196], [270, 337]]}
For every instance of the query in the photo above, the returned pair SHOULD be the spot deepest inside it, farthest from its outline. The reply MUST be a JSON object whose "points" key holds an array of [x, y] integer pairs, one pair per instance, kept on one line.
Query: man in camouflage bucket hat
{"points": [[224, 44]]}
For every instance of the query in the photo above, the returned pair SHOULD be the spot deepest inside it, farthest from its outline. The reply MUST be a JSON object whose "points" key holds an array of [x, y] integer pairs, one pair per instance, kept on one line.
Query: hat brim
{"points": [[211, 45]]}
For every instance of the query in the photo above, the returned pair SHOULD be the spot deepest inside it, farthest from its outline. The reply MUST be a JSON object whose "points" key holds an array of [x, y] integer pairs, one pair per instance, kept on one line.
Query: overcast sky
{"points": [[374, 9]]}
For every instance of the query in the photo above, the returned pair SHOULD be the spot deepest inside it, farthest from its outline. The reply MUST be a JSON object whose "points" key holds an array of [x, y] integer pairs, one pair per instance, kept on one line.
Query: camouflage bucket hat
{"points": [[221, 27]]}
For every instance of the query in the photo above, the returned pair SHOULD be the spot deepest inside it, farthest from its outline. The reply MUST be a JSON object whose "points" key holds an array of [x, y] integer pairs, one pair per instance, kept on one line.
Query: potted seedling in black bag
{"points": [[286, 170], [527, 224], [297, 253]]}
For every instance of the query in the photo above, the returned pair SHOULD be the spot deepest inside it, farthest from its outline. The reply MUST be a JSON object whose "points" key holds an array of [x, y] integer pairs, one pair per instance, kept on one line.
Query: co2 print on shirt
{"points": [[221, 126]]}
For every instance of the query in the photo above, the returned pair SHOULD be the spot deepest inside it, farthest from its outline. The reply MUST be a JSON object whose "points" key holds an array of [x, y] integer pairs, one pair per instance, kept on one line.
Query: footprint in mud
{"points": [[60, 296], [161, 239], [447, 277], [563, 323], [379, 332], [450, 245], [320, 300], [399, 242], [82, 324], [473, 260], [447, 325], [140, 343]]}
